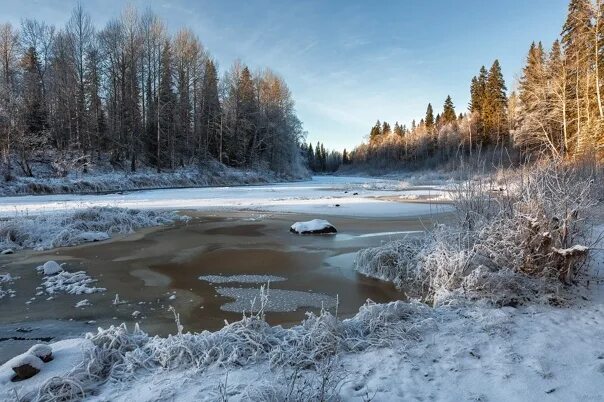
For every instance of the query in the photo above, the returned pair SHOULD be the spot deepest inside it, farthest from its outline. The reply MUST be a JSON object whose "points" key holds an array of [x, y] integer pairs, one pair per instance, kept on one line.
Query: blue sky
{"points": [[349, 63]]}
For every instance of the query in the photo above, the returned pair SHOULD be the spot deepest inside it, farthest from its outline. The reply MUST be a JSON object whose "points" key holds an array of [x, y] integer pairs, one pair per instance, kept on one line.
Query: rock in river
{"points": [[316, 226]]}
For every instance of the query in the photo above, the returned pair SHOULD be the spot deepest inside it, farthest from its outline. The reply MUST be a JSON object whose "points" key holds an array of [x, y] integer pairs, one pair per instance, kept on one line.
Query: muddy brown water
{"points": [[159, 267]]}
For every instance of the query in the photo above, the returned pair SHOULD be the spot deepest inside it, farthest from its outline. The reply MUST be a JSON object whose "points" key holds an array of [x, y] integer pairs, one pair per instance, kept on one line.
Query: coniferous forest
{"points": [[554, 111], [136, 95]]}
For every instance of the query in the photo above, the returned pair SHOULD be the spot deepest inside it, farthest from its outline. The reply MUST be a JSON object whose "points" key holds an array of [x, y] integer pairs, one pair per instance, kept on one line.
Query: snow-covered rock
{"points": [[315, 226], [50, 268], [67, 354], [26, 365], [7, 251], [44, 352]]}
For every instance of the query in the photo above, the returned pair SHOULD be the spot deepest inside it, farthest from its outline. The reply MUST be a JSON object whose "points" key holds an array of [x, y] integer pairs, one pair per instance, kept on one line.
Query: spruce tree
{"points": [[494, 113], [376, 132], [386, 130], [310, 158], [429, 120], [165, 111], [449, 115], [210, 112], [34, 112]]}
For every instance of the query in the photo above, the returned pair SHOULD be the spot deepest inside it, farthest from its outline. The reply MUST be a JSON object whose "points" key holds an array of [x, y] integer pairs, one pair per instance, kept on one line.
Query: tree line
{"points": [[136, 94], [557, 110], [321, 160]]}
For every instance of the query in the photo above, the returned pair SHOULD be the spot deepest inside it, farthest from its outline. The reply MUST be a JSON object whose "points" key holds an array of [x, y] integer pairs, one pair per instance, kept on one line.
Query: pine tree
{"points": [[376, 133], [248, 116], [33, 110], [477, 91], [97, 125], [495, 103], [210, 111], [449, 115], [398, 130], [386, 130], [165, 110], [310, 158], [429, 120]]}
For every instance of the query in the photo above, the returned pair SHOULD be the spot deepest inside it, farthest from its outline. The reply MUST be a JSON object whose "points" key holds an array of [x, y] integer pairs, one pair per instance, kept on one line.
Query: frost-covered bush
{"points": [[119, 355], [518, 238], [43, 232]]}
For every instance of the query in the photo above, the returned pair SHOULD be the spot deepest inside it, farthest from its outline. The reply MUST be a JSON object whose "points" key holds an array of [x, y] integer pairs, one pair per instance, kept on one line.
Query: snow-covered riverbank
{"points": [[323, 195], [396, 351]]}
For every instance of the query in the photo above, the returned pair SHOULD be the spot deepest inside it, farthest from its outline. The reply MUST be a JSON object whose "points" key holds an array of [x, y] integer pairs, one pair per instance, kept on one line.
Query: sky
{"points": [[349, 63]]}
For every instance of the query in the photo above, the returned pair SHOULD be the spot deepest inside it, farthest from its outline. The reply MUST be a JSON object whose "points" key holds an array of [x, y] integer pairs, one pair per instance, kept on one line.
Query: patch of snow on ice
{"points": [[279, 300], [241, 278], [75, 283], [83, 303], [7, 279]]}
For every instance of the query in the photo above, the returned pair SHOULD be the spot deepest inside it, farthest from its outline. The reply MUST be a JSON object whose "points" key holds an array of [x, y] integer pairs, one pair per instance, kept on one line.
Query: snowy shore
{"points": [[395, 351], [461, 350]]}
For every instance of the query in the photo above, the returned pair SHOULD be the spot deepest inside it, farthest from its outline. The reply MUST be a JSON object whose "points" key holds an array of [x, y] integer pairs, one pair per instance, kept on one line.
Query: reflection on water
{"points": [[162, 267]]}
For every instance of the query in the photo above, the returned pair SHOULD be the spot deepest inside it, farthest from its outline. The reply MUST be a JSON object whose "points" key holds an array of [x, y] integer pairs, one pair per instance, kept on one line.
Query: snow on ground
{"points": [[66, 355], [105, 179], [388, 352], [355, 196]]}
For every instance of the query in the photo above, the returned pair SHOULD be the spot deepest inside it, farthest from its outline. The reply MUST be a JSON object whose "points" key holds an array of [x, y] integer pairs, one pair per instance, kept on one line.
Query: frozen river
{"points": [[323, 195]]}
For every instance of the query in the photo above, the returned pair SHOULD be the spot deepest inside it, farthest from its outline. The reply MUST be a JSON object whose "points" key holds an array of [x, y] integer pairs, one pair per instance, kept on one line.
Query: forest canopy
{"points": [[138, 95], [557, 110]]}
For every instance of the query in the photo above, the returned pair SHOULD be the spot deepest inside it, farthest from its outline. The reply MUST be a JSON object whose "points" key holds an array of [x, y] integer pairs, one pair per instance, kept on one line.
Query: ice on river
{"points": [[279, 300], [241, 278], [323, 195]]}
